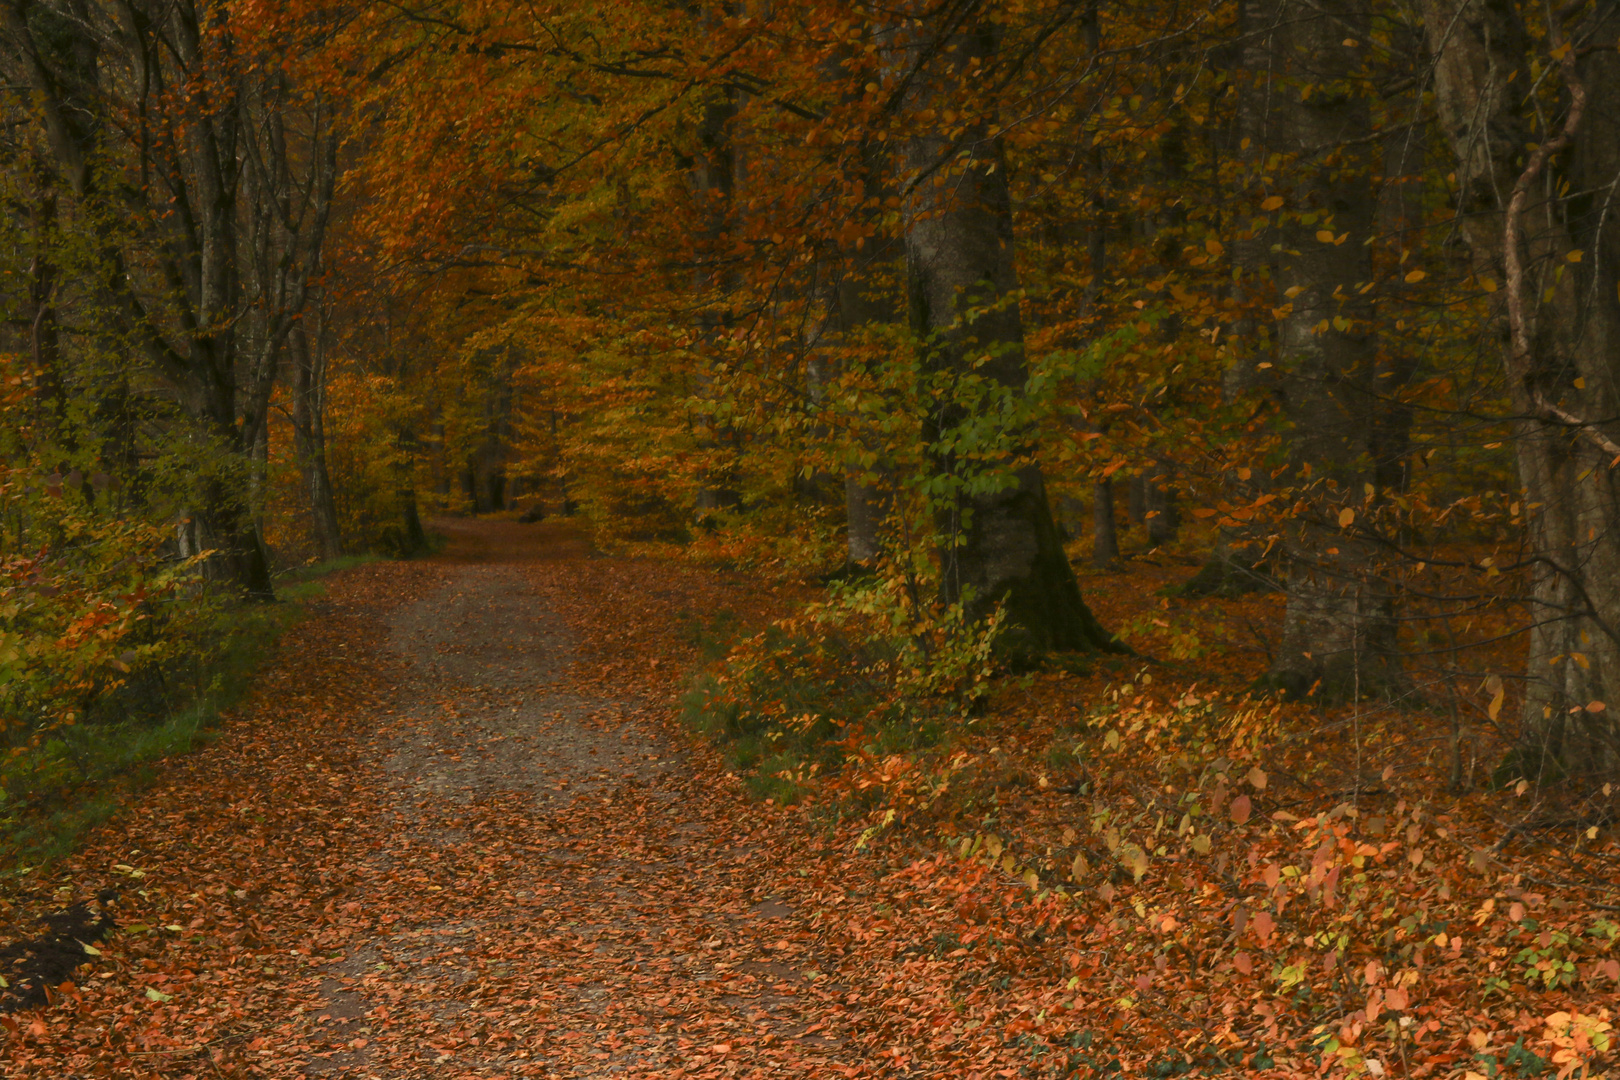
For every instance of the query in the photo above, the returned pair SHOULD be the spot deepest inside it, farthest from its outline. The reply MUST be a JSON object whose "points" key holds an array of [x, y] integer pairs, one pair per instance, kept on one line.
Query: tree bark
{"points": [[1105, 530], [1531, 197], [868, 495], [173, 92], [1162, 516], [998, 541], [309, 438], [1338, 639]]}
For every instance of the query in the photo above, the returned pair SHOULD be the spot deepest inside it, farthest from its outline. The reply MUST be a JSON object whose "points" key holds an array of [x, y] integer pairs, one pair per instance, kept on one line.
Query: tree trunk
{"points": [[1136, 499], [1527, 208], [866, 506], [868, 494], [1163, 518], [309, 439], [998, 542], [1338, 638], [43, 329], [1105, 542]]}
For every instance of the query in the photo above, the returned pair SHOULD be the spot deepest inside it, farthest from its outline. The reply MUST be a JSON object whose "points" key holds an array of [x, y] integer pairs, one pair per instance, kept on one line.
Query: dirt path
{"points": [[456, 848], [576, 912]]}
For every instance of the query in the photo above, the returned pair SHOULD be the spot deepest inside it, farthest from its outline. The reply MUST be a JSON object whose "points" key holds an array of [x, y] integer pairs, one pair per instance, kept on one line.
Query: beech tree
{"points": [[165, 114], [1536, 164], [1333, 376], [999, 543]]}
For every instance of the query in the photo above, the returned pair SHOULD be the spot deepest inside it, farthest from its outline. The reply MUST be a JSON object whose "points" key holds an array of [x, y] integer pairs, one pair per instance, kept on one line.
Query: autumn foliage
{"points": [[1124, 496]]}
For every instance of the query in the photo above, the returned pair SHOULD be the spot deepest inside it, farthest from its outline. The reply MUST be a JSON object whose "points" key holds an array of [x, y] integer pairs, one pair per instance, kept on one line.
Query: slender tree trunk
{"points": [[1162, 517], [714, 178], [998, 546], [44, 331], [1136, 499], [309, 438], [868, 495], [1531, 198], [1105, 539]]}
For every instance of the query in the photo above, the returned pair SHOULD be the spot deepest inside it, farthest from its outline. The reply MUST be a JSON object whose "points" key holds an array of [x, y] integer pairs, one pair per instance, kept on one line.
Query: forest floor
{"points": [[456, 831]]}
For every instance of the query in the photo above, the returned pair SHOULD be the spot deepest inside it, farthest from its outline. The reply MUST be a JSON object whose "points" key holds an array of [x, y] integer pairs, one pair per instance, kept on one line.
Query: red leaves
{"points": [[1263, 926]]}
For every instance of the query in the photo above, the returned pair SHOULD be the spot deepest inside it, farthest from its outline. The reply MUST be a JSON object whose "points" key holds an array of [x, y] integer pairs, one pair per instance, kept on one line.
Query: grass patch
{"points": [[304, 582], [53, 794]]}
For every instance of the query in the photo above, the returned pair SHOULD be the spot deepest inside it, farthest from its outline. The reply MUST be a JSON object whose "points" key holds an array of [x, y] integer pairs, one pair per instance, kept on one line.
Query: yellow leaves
{"points": [[1213, 246], [1498, 695], [1134, 859], [1257, 779], [1271, 202], [1325, 235], [1579, 1039], [1575, 256], [1293, 291], [1415, 276], [1347, 517]]}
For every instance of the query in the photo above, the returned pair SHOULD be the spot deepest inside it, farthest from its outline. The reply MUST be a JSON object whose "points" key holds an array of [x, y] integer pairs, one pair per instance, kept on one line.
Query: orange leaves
{"points": [[1239, 810]]}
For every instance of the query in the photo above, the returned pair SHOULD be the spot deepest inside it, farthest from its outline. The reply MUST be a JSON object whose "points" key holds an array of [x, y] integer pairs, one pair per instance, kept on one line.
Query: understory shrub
{"points": [[867, 671]]}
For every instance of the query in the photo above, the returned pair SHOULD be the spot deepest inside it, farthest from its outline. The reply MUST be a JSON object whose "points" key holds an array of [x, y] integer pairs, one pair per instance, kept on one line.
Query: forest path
{"points": [[570, 906], [453, 833]]}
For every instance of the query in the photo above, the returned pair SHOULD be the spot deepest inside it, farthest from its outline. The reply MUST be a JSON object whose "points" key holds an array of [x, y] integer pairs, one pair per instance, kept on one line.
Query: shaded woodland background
{"points": [[944, 297]]}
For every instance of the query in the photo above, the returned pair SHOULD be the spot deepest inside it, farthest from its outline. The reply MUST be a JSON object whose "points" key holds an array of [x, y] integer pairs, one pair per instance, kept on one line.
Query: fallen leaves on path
{"points": [[457, 832]]}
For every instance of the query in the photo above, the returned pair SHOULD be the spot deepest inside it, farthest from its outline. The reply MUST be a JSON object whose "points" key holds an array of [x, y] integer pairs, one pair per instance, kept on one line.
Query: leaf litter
{"points": [[456, 832]]}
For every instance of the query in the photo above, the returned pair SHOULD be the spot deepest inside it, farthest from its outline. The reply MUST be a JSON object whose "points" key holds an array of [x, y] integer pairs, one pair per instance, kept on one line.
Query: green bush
{"points": [[860, 672]]}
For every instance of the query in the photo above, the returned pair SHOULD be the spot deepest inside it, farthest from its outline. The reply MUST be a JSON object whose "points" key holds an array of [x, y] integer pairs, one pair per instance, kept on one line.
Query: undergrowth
{"points": [[1145, 845], [863, 673], [55, 789]]}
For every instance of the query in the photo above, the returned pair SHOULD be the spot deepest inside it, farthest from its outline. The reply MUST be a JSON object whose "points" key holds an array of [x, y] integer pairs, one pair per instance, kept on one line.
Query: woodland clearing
{"points": [[457, 830]]}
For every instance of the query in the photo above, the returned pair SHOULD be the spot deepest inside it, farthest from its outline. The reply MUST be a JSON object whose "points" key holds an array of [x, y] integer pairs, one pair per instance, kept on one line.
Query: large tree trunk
{"points": [[868, 491], [1001, 545], [1531, 198], [1338, 637]]}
